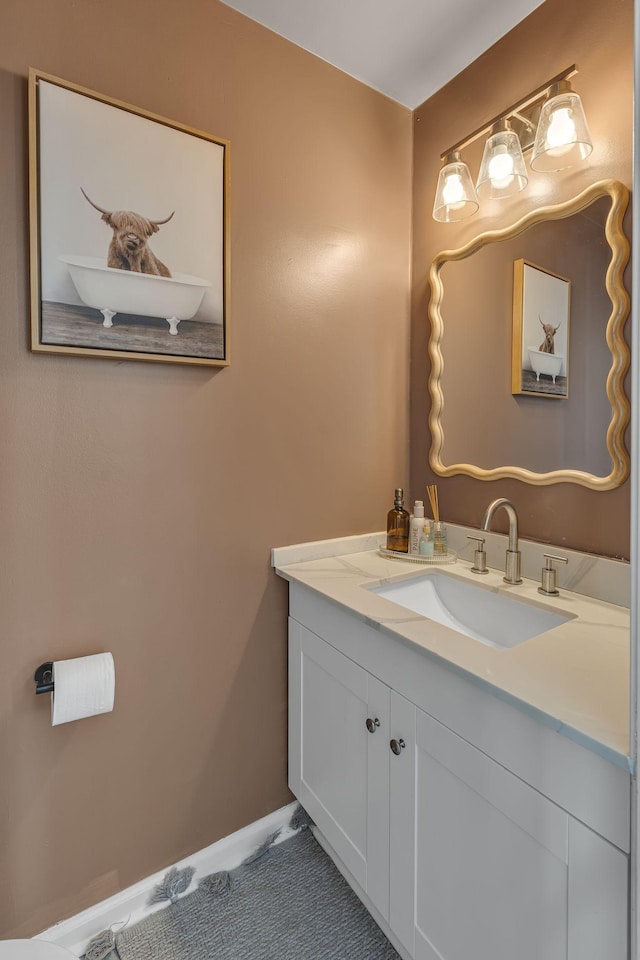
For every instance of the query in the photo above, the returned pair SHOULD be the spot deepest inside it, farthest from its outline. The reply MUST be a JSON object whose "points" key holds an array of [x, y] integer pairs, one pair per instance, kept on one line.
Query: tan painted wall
{"points": [[139, 502], [598, 37]]}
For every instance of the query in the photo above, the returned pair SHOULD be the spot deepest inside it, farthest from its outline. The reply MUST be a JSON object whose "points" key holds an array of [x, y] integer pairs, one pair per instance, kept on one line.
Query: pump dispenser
{"points": [[398, 525], [415, 528]]}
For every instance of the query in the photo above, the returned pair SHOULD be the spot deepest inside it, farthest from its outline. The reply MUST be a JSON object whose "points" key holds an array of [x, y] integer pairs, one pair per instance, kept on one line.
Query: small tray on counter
{"points": [[438, 558]]}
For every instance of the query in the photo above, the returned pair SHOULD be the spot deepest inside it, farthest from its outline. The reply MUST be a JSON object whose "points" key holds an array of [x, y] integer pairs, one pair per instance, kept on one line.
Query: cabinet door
{"points": [[338, 769], [490, 868]]}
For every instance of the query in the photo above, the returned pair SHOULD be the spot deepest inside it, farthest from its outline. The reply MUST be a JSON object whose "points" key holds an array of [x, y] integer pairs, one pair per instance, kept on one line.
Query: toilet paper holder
{"points": [[44, 677]]}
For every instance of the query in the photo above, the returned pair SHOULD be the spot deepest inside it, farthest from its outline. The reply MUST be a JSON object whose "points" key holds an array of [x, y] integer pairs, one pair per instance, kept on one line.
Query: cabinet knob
{"points": [[372, 725], [397, 746]]}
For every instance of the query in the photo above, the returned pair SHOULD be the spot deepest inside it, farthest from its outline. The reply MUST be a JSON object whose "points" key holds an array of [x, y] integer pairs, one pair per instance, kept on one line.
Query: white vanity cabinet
{"points": [[459, 856]]}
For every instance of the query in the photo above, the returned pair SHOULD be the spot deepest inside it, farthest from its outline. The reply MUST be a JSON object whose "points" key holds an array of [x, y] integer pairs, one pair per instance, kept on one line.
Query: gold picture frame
{"points": [[107, 281], [542, 295]]}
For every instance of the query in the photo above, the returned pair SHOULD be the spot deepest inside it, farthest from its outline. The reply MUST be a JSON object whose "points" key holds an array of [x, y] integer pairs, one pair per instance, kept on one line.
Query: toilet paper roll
{"points": [[82, 688]]}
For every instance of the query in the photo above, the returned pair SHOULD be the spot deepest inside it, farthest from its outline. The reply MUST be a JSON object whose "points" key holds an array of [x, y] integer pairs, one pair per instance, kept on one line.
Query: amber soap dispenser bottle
{"points": [[398, 525]]}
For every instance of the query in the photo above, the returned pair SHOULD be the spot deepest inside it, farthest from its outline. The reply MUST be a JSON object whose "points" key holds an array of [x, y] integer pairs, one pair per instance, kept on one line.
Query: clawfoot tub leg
{"points": [[173, 326], [108, 317]]}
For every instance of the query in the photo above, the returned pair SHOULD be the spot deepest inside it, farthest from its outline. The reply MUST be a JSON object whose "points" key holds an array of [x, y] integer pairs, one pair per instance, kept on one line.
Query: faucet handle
{"points": [[479, 556], [548, 587]]}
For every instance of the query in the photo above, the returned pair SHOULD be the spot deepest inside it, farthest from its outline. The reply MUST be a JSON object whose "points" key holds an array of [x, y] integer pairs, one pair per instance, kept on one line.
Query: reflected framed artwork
{"points": [[129, 221], [541, 312]]}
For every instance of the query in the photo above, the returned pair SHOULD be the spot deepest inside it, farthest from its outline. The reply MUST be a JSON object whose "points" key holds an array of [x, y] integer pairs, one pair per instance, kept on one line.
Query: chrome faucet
{"points": [[512, 565]]}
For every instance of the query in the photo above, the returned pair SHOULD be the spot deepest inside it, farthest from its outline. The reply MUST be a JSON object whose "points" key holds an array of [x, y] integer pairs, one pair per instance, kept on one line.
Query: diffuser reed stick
{"points": [[432, 493]]}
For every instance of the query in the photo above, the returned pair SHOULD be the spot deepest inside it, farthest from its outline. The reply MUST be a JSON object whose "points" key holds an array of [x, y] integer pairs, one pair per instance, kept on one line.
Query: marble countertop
{"points": [[574, 677]]}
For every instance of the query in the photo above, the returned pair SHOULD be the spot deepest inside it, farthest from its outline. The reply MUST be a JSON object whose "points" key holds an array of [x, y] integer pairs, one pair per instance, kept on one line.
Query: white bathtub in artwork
{"points": [[547, 363], [115, 291]]}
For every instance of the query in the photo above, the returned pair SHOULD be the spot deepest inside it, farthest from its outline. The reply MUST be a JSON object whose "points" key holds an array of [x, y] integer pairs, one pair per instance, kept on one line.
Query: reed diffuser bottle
{"points": [[398, 525], [439, 529]]}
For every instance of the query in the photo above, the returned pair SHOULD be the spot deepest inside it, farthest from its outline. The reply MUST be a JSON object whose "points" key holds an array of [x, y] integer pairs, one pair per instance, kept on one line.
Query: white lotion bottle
{"points": [[415, 528]]}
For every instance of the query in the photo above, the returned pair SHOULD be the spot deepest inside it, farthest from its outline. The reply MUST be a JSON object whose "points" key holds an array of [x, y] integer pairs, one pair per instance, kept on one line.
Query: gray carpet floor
{"points": [[291, 904]]}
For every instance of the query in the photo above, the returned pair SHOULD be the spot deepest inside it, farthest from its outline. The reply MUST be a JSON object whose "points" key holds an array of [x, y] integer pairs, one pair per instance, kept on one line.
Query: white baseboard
{"points": [[131, 905]]}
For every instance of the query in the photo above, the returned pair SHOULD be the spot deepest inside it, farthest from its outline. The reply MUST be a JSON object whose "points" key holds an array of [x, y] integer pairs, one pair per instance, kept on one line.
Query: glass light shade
{"points": [[455, 195], [502, 171], [562, 136]]}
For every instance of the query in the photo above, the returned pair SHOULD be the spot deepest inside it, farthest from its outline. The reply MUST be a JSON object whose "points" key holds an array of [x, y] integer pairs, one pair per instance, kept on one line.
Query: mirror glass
{"points": [[524, 382]]}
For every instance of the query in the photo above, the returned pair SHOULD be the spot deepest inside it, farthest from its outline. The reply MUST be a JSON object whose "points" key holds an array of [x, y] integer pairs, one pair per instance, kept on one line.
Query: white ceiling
{"points": [[407, 49]]}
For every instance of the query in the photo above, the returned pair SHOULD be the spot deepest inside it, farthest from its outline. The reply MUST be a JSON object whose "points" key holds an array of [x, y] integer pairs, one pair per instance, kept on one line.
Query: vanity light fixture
{"points": [[550, 121], [455, 193], [502, 171], [562, 137]]}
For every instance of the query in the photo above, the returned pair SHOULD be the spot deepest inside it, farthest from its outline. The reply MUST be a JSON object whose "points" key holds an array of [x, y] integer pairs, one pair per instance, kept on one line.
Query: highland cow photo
{"points": [[541, 310], [129, 232]]}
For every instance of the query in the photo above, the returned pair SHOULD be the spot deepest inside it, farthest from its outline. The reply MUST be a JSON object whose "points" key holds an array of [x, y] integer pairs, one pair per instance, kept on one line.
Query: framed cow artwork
{"points": [[129, 221], [541, 311]]}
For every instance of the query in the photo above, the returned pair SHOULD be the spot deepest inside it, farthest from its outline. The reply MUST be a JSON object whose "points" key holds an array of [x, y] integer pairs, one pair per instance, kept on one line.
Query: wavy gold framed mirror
{"points": [[478, 426]]}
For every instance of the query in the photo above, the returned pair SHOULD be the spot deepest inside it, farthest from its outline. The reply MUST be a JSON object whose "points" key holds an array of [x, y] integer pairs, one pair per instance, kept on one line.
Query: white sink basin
{"points": [[474, 611]]}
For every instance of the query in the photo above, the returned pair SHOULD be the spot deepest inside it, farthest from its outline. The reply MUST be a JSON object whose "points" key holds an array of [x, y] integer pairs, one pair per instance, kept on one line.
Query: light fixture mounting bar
{"points": [[530, 100]]}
